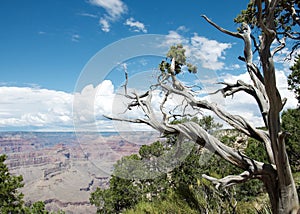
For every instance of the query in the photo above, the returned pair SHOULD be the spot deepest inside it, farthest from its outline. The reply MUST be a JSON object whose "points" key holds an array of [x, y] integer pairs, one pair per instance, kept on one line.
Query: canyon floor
{"points": [[62, 169]]}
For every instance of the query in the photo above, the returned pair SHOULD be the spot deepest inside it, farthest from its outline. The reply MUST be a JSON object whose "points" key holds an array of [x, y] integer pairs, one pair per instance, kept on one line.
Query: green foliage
{"points": [[247, 16], [283, 16], [192, 68], [122, 194], [11, 201], [156, 150], [206, 122], [291, 124], [178, 53], [252, 188], [297, 181], [125, 189], [218, 167], [172, 204], [182, 190], [294, 78], [256, 151], [38, 208]]}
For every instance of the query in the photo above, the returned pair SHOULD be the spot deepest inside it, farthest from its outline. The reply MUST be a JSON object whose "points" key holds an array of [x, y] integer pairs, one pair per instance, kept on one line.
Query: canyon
{"points": [[63, 168]]}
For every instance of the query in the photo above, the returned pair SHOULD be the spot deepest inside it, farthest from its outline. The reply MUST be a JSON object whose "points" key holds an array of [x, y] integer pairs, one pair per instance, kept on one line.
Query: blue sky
{"points": [[45, 46], [48, 42]]}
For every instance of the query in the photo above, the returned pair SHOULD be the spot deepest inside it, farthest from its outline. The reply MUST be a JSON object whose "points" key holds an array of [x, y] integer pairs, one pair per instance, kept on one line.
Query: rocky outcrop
{"points": [[59, 168], [65, 204]]}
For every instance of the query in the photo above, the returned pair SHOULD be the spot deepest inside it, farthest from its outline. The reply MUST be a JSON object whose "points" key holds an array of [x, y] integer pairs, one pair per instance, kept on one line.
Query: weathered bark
{"points": [[287, 199], [276, 175], [280, 185]]}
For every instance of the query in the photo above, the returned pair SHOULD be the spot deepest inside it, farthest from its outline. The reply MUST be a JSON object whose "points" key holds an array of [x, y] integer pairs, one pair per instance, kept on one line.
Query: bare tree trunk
{"points": [[284, 198], [276, 175], [279, 183]]}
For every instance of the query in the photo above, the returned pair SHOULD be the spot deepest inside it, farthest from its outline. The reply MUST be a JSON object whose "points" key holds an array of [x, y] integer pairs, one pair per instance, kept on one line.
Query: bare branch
{"points": [[258, 90], [245, 34], [165, 117], [294, 14], [255, 43], [235, 34], [229, 180], [236, 121], [280, 47], [231, 89], [194, 131], [291, 35], [268, 30], [277, 175], [126, 119], [126, 78]]}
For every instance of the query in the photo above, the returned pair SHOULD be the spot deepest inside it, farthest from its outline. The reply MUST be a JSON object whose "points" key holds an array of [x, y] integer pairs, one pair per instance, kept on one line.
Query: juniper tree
{"points": [[275, 21]]}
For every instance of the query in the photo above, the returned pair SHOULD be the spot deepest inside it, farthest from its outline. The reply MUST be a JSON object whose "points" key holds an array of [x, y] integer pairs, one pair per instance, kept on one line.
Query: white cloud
{"points": [[88, 15], [114, 10], [75, 38], [104, 98], [42, 109], [208, 53], [174, 38], [105, 26], [182, 28], [282, 86], [93, 102], [232, 67], [27, 108], [136, 26], [31, 107], [35, 109]]}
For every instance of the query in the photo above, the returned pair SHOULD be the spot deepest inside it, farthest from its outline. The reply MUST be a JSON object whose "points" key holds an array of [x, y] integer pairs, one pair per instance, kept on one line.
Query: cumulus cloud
{"points": [[232, 67], [30, 107], [174, 38], [136, 26], [35, 109], [25, 108], [209, 53], [182, 28], [114, 10], [104, 99], [93, 102], [22, 108], [105, 26]]}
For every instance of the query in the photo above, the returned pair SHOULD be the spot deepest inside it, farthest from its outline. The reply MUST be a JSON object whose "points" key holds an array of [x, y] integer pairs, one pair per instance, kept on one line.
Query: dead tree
{"points": [[276, 175]]}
